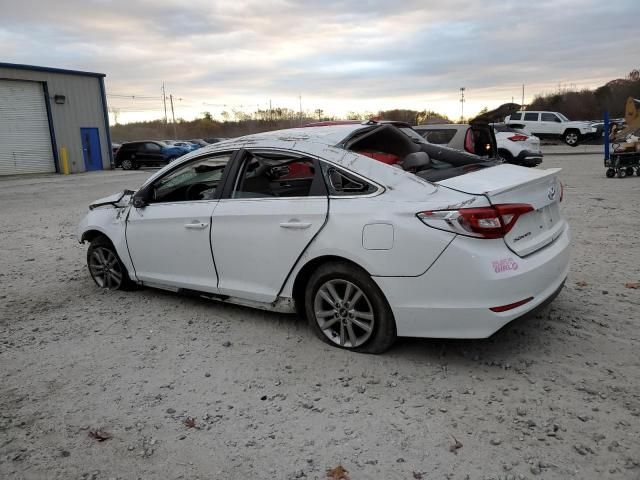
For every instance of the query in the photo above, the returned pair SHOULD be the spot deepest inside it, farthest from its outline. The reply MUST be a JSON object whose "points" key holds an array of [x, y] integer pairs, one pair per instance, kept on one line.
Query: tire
{"points": [[571, 137], [127, 164], [105, 267], [505, 156], [610, 173], [622, 173], [629, 171], [344, 323]]}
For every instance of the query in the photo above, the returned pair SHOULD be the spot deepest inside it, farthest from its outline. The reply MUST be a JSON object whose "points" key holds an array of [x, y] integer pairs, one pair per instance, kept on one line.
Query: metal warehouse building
{"points": [[52, 120]]}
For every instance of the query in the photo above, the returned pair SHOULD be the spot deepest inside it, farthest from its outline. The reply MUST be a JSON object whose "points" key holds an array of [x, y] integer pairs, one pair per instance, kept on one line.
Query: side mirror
{"points": [[139, 202]]}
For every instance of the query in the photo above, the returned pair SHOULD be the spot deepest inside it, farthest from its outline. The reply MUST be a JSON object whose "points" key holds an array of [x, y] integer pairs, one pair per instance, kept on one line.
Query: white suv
{"points": [[552, 125]]}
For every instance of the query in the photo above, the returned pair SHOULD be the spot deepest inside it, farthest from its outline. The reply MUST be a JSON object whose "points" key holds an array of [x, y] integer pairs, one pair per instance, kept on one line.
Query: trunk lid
{"points": [[507, 183]]}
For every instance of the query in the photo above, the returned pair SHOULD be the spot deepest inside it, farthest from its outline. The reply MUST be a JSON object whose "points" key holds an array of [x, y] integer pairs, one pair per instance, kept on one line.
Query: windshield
{"points": [[564, 119]]}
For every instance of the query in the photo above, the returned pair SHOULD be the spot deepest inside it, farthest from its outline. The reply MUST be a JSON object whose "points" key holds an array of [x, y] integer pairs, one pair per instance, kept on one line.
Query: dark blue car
{"points": [[154, 153]]}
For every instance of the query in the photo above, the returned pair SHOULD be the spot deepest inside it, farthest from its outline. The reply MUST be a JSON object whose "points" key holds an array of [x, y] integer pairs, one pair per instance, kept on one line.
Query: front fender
{"points": [[110, 222]]}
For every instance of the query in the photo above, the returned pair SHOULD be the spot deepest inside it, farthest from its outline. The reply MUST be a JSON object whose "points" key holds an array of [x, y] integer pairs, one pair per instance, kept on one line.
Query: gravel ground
{"points": [[188, 388]]}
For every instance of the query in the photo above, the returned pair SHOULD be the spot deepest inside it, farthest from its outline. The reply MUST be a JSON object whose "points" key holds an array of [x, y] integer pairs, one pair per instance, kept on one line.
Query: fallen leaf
{"points": [[633, 285], [455, 445], [100, 435], [337, 473], [581, 284], [190, 422]]}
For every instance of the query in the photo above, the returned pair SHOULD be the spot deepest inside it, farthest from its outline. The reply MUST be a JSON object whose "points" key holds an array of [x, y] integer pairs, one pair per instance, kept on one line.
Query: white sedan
{"points": [[358, 227]]}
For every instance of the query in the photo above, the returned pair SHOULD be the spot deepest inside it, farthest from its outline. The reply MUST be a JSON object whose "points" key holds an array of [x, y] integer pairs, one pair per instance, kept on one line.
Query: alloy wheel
{"points": [[105, 268], [127, 164], [344, 313], [571, 138]]}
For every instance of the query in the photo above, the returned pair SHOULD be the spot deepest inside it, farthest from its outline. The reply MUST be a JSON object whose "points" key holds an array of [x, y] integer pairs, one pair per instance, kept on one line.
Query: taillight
{"points": [[483, 222], [468, 141], [518, 138], [561, 191]]}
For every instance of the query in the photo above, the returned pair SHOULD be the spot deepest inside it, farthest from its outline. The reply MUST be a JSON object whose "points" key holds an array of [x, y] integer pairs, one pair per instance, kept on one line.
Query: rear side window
{"points": [[531, 117], [549, 117], [342, 183], [441, 136], [152, 147], [279, 176], [515, 116]]}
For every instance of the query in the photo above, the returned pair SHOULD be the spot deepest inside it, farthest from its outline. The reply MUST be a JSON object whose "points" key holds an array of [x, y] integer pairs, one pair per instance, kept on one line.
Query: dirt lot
{"points": [[556, 395]]}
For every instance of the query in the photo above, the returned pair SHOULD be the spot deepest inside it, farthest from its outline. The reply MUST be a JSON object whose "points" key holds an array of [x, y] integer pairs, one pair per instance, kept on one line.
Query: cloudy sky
{"points": [[340, 56]]}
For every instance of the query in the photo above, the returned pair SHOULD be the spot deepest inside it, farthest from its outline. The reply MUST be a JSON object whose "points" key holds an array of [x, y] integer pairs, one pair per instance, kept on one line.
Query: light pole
{"points": [[462, 89]]}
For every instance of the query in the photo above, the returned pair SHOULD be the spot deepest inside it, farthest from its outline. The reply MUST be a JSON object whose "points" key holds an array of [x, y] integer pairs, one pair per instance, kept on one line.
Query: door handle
{"points": [[296, 225], [196, 225]]}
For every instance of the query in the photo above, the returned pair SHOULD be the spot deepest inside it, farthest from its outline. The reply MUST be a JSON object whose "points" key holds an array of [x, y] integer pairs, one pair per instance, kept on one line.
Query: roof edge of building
{"points": [[36, 68]]}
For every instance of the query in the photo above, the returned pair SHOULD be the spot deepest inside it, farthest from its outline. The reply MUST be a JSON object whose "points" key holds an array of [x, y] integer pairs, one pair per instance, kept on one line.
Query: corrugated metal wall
{"points": [[83, 108]]}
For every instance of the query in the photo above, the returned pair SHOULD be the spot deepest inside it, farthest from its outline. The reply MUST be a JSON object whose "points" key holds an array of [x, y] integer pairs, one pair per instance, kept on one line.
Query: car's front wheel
{"points": [[346, 308], [127, 164], [105, 267], [572, 138]]}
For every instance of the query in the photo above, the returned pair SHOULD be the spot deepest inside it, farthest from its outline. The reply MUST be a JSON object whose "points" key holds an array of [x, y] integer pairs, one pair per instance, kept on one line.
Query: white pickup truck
{"points": [[552, 125]]}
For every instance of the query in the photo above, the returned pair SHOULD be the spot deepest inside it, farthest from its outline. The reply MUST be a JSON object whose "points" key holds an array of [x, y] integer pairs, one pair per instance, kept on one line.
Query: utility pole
{"points": [[300, 99], [173, 115], [462, 89], [270, 112], [164, 100], [522, 106]]}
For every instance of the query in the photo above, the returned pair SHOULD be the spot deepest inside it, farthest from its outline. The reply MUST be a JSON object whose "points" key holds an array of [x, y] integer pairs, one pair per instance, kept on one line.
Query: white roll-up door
{"points": [[25, 141]]}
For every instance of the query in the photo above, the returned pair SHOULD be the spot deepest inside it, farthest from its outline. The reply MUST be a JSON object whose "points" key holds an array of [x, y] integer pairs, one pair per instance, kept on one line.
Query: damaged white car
{"points": [[365, 229]]}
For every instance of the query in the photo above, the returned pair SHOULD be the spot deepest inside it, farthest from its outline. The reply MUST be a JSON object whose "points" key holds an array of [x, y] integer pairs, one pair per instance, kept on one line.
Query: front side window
{"points": [[277, 175], [515, 116], [530, 117], [197, 180]]}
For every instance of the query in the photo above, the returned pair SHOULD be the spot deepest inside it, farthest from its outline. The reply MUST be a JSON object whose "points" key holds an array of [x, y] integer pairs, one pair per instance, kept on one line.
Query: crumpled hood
{"points": [[119, 199]]}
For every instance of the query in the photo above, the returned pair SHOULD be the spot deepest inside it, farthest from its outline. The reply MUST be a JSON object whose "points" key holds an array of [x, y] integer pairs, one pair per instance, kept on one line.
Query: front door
{"points": [[91, 149], [277, 204], [169, 238]]}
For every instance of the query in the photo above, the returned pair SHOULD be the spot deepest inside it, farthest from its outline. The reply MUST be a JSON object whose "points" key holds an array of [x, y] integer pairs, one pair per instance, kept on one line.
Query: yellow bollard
{"points": [[64, 160]]}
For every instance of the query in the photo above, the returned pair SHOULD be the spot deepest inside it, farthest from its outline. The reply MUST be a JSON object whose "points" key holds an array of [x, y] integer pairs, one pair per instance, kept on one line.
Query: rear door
{"points": [[531, 123], [273, 208], [508, 184], [151, 153]]}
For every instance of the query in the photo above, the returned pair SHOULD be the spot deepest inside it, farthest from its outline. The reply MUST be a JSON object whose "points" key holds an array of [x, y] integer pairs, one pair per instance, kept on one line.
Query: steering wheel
{"points": [[194, 191]]}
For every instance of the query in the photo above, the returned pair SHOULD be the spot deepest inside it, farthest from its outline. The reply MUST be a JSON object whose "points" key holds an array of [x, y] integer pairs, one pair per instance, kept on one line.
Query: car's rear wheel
{"points": [[127, 164], [105, 267], [630, 171], [505, 156], [610, 173], [572, 138], [346, 309]]}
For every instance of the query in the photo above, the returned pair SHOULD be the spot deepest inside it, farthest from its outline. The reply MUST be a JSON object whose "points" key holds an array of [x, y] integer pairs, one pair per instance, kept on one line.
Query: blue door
{"points": [[91, 149]]}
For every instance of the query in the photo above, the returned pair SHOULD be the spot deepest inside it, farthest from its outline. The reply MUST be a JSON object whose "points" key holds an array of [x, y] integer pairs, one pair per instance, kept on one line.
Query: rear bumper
{"points": [[528, 158], [453, 298]]}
